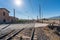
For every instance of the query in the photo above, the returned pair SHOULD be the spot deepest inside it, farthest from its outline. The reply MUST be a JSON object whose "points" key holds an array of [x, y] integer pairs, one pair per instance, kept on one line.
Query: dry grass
{"points": [[50, 33]]}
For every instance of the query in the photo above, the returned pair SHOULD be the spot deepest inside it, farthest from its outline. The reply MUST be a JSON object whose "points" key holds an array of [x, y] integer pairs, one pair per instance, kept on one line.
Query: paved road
{"points": [[40, 24]]}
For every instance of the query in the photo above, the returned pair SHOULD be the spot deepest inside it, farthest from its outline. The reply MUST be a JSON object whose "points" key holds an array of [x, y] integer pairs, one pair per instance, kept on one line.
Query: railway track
{"points": [[25, 36], [13, 33], [32, 35], [10, 35], [3, 35], [4, 27]]}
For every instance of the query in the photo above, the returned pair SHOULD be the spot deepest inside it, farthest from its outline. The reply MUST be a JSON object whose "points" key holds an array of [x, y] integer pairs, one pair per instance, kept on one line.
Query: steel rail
{"points": [[32, 36], [14, 34], [2, 36]]}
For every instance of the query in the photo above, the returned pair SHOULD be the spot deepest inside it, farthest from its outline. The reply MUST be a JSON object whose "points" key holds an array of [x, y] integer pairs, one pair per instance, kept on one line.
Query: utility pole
{"points": [[40, 11], [37, 19], [28, 19], [14, 15]]}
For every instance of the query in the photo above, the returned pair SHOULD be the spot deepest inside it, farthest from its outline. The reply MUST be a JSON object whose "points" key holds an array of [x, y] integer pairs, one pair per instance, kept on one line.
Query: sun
{"points": [[18, 2]]}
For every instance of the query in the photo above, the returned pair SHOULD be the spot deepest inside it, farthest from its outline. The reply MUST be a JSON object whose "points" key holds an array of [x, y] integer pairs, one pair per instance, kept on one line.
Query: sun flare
{"points": [[18, 2]]}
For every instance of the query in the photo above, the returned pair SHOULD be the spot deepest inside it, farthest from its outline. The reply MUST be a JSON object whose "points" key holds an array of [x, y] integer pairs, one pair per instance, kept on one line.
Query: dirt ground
{"points": [[41, 33]]}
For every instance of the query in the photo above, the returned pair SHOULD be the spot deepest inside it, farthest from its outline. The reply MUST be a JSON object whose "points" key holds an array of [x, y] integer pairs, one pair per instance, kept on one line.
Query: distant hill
{"points": [[56, 17]]}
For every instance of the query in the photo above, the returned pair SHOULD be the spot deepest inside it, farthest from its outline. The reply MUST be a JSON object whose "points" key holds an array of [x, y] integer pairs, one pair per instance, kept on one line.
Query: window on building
{"points": [[3, 13]]}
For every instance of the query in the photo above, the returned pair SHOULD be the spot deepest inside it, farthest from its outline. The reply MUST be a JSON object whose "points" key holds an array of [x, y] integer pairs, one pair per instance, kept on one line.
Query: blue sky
{"points": [[49, 8]]}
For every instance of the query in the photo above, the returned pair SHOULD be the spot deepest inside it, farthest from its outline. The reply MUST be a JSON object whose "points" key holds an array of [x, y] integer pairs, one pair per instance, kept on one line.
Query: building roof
{"points": [[5, 9]]}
